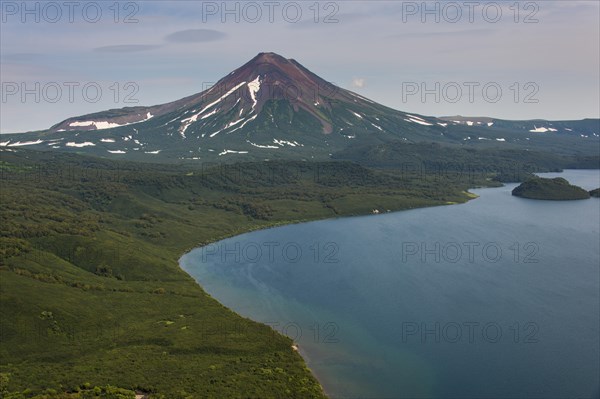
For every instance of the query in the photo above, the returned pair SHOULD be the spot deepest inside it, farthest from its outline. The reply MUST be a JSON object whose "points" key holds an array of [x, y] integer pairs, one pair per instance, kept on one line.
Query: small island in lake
{"points": [[595, 193], [557, 189]]}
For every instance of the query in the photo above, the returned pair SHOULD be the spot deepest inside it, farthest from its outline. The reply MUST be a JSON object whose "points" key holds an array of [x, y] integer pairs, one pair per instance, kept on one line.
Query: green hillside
{"points": [[550, 189], [91, 294]]}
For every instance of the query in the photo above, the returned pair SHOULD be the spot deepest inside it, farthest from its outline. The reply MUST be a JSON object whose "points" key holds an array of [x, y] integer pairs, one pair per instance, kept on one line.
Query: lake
{"points": [[498, 297]]}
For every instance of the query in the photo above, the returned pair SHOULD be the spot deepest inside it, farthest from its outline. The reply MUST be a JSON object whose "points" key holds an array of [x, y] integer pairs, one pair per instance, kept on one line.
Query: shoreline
{"points": [[305, 357], [298, 349], [470, 196]]}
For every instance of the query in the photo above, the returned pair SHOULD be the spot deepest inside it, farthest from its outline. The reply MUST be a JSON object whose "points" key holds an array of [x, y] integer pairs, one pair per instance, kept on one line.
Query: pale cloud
{"points": [[358, 83]]}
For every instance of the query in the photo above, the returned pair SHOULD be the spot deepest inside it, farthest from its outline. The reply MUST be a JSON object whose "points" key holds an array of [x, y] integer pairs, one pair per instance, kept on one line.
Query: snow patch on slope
{"points": [[285, 142], [215, 133], [542, 129], [222, 97], [243, 124], [262, 146], [101, 125], [254, 88], [225, 152], [420, 122], [378, 127], [233, 123], [19, 144], [209, 114], [84, 144], [185, 123]]}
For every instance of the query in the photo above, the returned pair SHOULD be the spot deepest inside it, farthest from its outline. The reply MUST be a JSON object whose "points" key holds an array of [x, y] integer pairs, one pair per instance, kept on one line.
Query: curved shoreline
{"points": [[305, 356], [469, 197], [294, 346]]}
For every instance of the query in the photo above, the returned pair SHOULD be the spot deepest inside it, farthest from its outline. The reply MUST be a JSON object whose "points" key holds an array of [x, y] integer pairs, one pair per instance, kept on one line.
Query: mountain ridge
{"points": [[275, 108]]}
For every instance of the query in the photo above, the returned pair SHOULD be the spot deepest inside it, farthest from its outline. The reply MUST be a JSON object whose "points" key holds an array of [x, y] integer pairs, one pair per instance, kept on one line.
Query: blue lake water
{"points": [[496, 298]]}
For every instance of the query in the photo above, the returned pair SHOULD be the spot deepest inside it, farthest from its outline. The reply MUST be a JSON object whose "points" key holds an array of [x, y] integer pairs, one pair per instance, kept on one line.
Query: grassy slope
{"points": [[91, 291]]}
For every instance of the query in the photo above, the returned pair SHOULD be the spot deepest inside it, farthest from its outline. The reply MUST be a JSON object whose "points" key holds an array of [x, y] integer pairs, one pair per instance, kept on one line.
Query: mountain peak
{"points": [[269, 57], [265, 105], [267, 62]]}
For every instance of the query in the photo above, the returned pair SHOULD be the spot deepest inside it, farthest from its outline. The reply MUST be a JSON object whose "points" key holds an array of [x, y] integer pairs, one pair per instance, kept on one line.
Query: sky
{"points": [[510, 60]]}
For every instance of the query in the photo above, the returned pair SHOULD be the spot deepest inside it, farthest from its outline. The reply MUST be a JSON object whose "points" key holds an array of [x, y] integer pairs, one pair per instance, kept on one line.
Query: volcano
{"points": [[269, 108]]}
